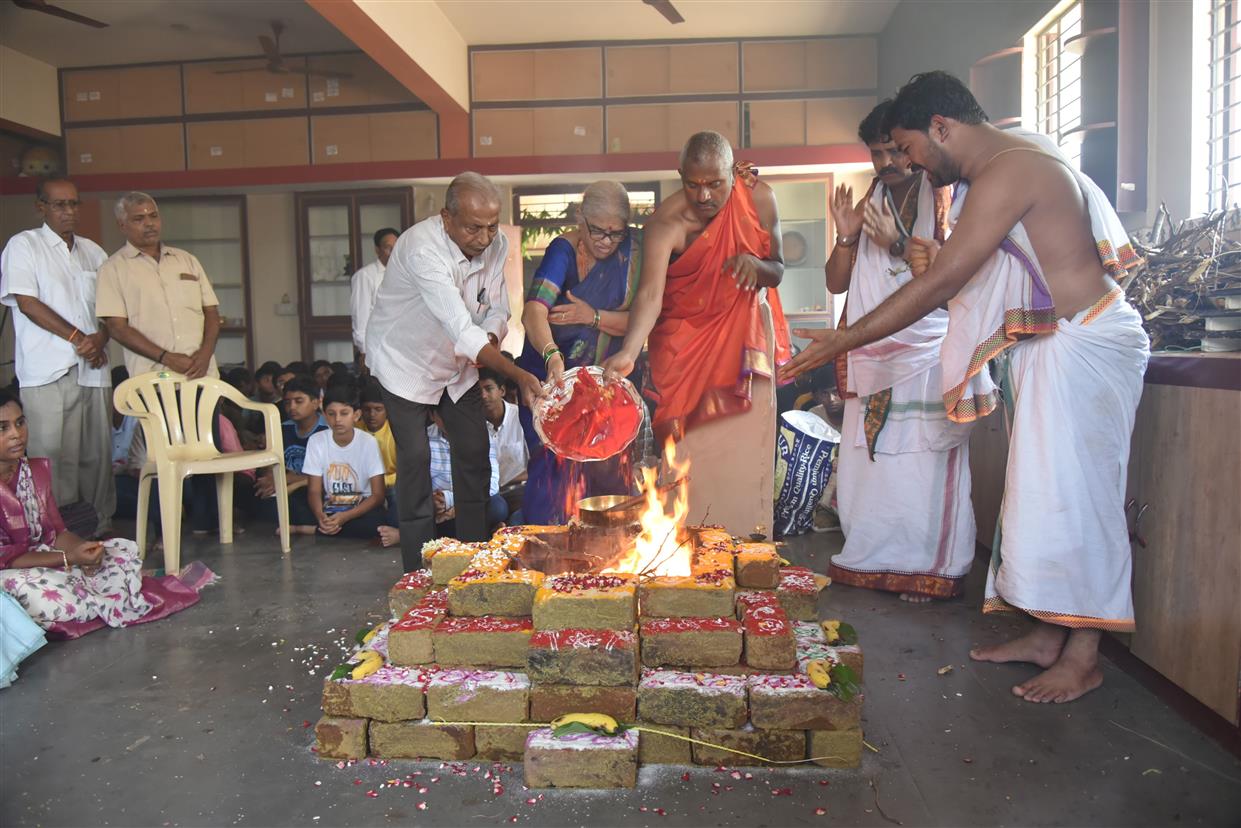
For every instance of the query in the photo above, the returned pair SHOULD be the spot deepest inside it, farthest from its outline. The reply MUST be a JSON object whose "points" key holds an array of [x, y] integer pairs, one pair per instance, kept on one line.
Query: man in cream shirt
{"points": [[365, 285], [155, 299], [48, 278], [441, 311]]}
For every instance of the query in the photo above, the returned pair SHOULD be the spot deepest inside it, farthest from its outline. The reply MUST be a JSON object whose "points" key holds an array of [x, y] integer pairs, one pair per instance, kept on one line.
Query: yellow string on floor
{"points": [[641, 729]]}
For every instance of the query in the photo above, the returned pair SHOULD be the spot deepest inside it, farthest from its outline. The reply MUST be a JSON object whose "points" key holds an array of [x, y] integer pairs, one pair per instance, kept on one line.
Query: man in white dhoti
{"points": [[1028, 271], [903, 491]]}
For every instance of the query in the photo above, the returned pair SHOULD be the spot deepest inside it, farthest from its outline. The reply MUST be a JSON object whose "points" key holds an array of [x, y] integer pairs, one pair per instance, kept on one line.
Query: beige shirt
{"points": [[162, 300]]}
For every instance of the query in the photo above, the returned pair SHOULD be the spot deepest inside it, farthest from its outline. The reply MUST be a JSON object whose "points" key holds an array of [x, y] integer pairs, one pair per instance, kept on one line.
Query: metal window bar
{"points": [[1224, 138], [1059, 82]]}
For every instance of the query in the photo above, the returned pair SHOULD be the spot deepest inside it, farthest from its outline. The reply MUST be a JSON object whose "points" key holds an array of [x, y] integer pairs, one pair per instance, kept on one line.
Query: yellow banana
{"points": [[817, 670], [832, 630], [368, 661], [595, 721], [366, 639], [784, 562]]}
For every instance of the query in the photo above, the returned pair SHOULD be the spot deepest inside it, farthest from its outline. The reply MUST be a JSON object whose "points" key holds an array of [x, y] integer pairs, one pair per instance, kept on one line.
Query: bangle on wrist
{"points": [[548, 348], [547, 357], [64, 556], [160, 359], [595, 324], [73, 336]]}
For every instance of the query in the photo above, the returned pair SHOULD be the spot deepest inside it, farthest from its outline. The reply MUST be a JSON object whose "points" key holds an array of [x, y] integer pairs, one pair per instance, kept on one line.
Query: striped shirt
{"points": [[441, 466]]}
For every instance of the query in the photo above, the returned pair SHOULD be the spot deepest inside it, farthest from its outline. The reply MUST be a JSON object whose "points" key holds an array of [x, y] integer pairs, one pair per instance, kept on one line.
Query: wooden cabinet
{"points": [[259, 142], [380, 136], [1185, 476], [137, 148], [114, 94], [352, 80], [680, 69], [819, 65], [243, 86], [334, 241], [555, 74]]}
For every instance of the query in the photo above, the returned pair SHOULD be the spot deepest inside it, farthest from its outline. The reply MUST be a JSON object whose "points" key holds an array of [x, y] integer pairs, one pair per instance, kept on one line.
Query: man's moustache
{"points": [[888, 171]]}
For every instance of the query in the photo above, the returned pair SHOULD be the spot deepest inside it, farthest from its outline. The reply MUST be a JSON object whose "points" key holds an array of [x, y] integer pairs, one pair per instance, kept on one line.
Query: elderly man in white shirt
{"points": [[440, 312], [48, 277], [365, 285]]}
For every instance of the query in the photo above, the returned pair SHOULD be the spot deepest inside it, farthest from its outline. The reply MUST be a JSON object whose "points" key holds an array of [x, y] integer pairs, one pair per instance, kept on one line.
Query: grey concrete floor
{"points": [[201, 719]]}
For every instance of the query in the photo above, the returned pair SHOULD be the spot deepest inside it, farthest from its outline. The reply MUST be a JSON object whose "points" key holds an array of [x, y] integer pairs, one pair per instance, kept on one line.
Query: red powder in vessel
{"points": [[595, 423]]}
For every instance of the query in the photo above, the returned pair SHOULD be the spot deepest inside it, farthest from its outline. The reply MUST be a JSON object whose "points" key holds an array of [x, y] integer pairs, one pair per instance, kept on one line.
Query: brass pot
{"points": [[600, 510]]}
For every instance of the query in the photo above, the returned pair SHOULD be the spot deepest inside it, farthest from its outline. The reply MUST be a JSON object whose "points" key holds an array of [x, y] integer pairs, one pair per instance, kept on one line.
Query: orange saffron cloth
{"points": [[710, 339]]}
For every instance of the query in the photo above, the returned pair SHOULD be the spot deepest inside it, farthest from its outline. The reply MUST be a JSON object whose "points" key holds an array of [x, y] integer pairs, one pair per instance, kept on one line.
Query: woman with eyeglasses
{"points": [[576, 313]]}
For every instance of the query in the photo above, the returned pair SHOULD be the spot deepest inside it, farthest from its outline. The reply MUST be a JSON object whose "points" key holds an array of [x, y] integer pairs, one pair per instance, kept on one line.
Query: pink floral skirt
{"points": [[113, 595]]}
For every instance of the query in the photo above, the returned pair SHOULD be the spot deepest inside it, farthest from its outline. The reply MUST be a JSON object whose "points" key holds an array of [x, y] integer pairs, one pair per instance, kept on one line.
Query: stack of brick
{"points": [[583, 658], [476, 640]]}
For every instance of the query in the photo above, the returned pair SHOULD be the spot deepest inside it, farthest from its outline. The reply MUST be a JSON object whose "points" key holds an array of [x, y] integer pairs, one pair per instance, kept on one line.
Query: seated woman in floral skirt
{"points": [[68, 585]]}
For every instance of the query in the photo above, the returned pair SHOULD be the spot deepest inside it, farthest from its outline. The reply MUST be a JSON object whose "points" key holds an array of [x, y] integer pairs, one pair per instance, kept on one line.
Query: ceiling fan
{"points": [[56, 11], [666, 8], [275, 60]]}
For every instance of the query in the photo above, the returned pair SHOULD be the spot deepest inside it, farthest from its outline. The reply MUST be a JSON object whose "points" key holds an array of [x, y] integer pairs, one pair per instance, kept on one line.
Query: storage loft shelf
{"points": [[1079, 133], [1077, 43], [848, 153]]}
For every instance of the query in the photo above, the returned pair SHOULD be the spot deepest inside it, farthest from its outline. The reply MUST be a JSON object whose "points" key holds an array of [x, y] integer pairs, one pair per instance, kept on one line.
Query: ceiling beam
{"points": [[415, 43]]}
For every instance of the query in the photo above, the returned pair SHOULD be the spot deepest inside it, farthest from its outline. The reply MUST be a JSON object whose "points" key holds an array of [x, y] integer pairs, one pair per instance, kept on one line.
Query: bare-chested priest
{"points": [[706, 297], [1028, 273]]}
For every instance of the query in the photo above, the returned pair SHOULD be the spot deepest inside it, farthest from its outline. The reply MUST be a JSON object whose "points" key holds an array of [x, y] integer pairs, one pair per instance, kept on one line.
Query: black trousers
{"points": [[466, 427]]}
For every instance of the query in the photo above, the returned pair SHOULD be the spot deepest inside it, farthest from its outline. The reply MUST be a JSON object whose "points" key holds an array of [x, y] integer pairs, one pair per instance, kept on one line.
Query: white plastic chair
{"points": [[176, 416]]}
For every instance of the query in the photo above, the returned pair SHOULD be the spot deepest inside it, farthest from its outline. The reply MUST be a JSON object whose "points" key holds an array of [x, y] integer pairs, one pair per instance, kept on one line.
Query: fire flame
{"points": [[660, 548]]}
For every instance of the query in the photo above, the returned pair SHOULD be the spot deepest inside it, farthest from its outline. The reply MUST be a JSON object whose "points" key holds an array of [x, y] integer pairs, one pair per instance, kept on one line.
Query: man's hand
{"points": [[437, 498], [617, 366], [825, 345], [530, 388], [744, 269], [847, 216], [577, 312], [178, 362], [921, 254], [91, 348], [329, 524], [200, 361], [880, 225], [265, 485], [446, 515]]}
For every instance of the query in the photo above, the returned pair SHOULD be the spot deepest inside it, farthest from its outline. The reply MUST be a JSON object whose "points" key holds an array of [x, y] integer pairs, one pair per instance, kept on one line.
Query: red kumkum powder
{"points": [[596, 421]]}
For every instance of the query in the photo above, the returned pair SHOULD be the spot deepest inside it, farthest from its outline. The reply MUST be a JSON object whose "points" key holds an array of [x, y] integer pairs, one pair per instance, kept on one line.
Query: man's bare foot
{"points": [[914, 598], [1041, 646], [389, 535], [1073, 675], [299, 530]]}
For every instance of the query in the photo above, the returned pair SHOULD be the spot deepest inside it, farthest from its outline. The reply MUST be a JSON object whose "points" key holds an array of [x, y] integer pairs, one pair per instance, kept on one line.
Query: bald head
{"points": [[471, 213], [707, 149], [470, 184]]}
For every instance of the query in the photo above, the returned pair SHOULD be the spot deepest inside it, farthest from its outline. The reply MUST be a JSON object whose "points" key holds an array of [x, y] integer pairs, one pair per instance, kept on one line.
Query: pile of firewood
{"points": [[1186, 272]]}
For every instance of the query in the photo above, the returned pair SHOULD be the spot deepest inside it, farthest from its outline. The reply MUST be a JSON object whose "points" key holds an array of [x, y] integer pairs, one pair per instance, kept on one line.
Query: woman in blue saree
{"points": [[576, 313]]}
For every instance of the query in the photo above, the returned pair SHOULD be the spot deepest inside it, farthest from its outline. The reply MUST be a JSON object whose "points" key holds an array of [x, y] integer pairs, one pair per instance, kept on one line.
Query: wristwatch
{"points": [[846, 241], [897, 248]]}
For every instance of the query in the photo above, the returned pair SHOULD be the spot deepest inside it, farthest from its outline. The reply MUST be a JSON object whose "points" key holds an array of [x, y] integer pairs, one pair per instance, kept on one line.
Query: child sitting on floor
{"points": [[344, 470]]}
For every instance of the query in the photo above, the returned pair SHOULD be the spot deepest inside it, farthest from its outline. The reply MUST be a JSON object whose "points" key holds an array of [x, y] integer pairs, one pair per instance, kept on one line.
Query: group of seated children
{"points": [[339, 453]]}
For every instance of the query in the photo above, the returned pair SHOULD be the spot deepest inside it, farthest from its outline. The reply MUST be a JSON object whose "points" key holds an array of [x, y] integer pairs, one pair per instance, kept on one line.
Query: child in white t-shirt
{"points": [[345, 471]]}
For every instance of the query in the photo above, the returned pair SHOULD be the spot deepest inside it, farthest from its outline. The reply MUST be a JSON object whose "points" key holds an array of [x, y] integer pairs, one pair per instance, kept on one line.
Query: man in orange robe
{"points": [[717, 334]]}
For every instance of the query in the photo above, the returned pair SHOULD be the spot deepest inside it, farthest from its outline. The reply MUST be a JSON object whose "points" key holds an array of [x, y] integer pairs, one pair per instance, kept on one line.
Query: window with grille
{"points": [[1058, 90], [1224, 136]]}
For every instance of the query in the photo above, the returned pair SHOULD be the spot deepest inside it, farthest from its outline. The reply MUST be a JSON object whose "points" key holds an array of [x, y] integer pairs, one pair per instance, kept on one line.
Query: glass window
{"points": [[1058, 84], [1224, 115]]}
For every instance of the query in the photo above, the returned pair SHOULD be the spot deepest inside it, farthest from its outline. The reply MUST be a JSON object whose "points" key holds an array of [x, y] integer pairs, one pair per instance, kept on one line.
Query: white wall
{"points": [[951, 35]]}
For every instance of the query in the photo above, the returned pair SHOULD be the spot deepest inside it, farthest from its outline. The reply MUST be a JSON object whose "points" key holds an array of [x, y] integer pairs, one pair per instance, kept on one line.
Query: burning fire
{"points": [[660, 548]]}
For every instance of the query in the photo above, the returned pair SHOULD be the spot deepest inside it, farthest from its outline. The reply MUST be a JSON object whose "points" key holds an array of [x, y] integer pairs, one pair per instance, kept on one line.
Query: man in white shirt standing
{"points": [[48, 277], [440, 312], [365, 285]]}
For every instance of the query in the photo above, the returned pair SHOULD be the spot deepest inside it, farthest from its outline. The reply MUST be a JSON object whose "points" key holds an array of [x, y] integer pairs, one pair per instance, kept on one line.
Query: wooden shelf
{"points": [[1077, 43]]}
